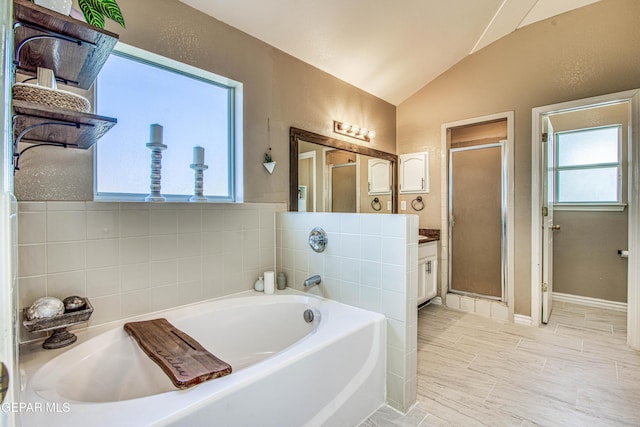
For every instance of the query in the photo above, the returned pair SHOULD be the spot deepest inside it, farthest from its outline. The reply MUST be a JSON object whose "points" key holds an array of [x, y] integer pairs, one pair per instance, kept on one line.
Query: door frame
{"points": [[312, 156], [339, 166], [8, 222], [510, 214], [633, 287]]}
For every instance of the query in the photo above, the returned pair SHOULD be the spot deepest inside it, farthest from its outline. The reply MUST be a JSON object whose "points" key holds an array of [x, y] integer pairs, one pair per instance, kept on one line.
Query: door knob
{"points": [[555, 227]]}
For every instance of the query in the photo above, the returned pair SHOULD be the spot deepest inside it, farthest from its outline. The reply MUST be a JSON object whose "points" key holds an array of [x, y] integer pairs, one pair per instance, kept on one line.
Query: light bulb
{"points": [[345, 126]]}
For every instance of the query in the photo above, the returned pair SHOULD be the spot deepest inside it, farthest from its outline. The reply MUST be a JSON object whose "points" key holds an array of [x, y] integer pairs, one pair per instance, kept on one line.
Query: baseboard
{"points": [[591, 302], [436, 301], [521, 319]]}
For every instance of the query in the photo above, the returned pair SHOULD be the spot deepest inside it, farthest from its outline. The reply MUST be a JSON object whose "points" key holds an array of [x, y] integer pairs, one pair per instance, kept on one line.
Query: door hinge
{"points": [[545, 137], [545, 211], [545, 287]]}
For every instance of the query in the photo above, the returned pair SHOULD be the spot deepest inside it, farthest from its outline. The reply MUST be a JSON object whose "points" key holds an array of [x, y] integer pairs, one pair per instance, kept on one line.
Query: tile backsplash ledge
{"points": [[135, 258]]}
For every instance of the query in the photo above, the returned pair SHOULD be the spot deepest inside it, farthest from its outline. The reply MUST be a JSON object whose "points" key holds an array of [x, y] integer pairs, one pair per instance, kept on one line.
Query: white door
{"points": [[548, 150]]}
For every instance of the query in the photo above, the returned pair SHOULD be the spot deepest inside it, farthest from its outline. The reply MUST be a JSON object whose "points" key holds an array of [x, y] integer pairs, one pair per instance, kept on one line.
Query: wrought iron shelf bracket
{"points": [[39, 142], [47, 34]]}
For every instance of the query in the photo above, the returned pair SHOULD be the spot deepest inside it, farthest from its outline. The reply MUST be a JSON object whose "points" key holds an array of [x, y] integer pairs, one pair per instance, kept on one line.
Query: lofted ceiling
{"points": [[390, 49]]}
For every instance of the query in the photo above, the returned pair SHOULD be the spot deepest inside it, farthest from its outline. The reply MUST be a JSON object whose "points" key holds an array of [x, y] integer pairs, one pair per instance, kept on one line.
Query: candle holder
{"points": [[198, 169], [156, 148]]}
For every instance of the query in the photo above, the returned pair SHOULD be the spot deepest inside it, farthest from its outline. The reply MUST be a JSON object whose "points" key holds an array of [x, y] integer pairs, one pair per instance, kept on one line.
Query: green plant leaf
{"points": [[92, 16], [108, 8]]}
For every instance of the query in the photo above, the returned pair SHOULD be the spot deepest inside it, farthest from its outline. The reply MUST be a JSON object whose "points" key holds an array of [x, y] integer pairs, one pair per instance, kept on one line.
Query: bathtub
{"points": [[286, 372]]}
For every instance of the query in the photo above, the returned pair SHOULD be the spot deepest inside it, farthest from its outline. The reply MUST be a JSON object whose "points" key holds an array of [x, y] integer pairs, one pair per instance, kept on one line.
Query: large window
{"points": [[194, 107], [588, 166]]}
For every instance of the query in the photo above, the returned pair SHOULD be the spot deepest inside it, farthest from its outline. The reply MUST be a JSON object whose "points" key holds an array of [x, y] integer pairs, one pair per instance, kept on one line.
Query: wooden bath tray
{"points": [[181, 357]]}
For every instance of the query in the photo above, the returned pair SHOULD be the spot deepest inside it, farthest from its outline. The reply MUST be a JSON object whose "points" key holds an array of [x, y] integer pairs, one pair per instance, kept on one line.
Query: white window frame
{"points": [[235, 141], [618, 205]]}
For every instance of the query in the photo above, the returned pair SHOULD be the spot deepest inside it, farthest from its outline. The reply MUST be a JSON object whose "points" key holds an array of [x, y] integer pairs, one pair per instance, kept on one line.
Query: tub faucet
{"points": [[312, 281]]}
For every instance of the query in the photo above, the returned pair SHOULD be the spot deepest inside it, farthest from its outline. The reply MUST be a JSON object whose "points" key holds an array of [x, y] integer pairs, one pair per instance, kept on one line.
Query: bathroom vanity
{"points": [[427, 264]]}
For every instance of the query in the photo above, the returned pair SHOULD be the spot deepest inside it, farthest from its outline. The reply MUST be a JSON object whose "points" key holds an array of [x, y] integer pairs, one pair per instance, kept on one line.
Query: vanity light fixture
{"points": [[344, 128]]}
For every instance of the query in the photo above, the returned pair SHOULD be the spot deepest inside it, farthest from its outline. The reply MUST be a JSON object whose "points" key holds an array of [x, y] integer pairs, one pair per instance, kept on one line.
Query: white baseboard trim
{"points": [[521, 319], [591, 302]]}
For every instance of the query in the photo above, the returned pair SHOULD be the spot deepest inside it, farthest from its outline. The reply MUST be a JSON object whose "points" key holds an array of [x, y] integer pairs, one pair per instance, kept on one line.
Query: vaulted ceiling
{"points": [[390, 49]]}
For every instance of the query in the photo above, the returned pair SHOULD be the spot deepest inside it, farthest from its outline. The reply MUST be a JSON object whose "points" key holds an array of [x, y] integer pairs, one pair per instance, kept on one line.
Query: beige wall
{"points": [[279, 91], [589, 51], [585, 257]]}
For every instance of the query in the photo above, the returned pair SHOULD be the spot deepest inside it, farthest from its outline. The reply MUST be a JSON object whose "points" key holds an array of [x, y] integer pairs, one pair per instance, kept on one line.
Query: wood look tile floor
{"points": [[474, 371]]}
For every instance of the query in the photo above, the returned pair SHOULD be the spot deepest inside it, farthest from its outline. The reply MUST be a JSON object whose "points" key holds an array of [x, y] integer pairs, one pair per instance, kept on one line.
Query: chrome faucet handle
{"points": [[318, 239]]}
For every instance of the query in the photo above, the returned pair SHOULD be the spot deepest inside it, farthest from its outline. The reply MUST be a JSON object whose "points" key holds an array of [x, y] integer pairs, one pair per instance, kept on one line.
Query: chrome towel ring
{"points": [[417, 204]]}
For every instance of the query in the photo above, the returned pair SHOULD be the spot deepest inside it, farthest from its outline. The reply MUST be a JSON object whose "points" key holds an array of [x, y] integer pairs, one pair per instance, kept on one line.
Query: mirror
{"points": [[331, 175]]}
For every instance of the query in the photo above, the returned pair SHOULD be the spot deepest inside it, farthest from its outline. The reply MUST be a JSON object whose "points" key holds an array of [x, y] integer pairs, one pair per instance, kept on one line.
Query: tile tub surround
{"points": [[371, 262], [135, 258]]}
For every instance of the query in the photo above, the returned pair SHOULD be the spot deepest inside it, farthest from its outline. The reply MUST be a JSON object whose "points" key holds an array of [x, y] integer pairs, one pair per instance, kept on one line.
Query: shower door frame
{"points": [[503, 219], [330, 185], [445, 136]]}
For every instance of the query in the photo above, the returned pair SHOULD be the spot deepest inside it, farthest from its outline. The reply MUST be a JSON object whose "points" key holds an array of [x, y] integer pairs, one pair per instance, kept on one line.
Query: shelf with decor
{"points": [[38, 125], [74, 52]]}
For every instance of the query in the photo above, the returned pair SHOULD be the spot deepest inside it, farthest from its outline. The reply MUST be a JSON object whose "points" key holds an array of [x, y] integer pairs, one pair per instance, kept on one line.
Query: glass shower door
{"points": [[477, 207]]}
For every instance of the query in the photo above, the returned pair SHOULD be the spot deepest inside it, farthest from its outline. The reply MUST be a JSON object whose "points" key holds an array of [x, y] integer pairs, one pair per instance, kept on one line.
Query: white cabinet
{"points": [[379, 177], [414, 173], [427, 271]]}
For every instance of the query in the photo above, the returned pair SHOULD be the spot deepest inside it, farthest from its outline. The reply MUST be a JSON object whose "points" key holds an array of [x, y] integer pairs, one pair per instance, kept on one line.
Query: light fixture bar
{"points": [[344, 128]]}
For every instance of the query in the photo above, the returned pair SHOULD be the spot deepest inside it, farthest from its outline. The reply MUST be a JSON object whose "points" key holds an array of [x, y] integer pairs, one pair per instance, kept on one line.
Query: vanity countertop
{"points": [[426, 235]]}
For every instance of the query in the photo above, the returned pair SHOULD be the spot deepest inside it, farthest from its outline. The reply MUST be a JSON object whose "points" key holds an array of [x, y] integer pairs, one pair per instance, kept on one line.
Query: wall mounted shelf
{"points": [[44, 125], [74, 50]]}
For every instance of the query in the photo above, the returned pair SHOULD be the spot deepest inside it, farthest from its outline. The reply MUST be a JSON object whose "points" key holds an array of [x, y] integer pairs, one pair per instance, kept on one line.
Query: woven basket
{"points": [[51, 97]]}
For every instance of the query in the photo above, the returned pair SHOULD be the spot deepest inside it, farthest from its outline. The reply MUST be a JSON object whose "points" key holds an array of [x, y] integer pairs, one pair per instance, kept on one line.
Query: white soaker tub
{"points": [[286, 372]]}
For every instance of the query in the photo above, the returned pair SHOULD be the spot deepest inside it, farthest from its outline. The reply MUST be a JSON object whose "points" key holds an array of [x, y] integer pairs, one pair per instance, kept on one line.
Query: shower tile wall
{"points": [[134, 258], [371, 262]]}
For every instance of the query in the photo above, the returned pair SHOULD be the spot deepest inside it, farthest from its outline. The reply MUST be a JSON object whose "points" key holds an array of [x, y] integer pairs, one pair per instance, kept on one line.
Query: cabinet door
{"points": [[431, 277], [379, 176], [422, 280], [414, 173]]}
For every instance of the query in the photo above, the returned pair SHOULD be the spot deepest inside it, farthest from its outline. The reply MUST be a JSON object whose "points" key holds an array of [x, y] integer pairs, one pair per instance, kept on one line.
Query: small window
{"points": [[195, 108], [588, 166]]}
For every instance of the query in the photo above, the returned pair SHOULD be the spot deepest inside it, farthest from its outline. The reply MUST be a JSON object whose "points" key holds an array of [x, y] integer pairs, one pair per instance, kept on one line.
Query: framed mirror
{"points": [[331, 175]]}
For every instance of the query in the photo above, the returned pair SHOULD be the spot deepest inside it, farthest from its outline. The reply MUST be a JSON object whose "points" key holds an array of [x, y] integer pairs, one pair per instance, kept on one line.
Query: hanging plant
{"points": [[95, 12], [269, 163]]}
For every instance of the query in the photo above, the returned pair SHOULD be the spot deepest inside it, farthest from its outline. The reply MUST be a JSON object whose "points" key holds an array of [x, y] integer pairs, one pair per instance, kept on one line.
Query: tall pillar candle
{"points": [[155, 134], [198, 155], [156, 146], [269, 282]]}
